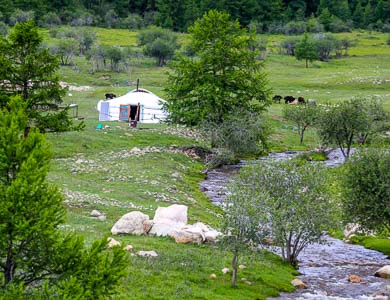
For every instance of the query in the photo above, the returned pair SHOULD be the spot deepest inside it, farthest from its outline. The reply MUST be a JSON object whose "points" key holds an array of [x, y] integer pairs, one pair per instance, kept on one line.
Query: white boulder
{"points": [[147, 253], [383, 272], [134, 222], [169, 219]]}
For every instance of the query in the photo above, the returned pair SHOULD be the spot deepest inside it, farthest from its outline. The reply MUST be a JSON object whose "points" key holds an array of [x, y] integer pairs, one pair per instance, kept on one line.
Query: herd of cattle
{"points": [[288, 99]]}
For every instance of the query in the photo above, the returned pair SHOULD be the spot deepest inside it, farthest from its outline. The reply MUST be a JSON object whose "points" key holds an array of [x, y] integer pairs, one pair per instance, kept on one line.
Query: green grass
{"points": [[94, 170], [375, 243]]}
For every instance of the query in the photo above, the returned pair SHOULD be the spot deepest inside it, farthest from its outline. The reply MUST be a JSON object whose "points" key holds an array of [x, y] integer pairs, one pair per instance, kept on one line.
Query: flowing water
{"points": [[325, 268]]}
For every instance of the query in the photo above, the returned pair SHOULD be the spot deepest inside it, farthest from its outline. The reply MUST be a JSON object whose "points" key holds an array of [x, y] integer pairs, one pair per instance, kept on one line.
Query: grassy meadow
{"points": [[97, 169]]}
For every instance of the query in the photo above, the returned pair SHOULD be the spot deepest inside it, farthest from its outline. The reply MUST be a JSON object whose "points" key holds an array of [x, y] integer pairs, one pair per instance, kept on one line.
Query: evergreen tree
{"points": [[224, 78], [358, 15], [28, 70], [306, 49], [32, 249]]}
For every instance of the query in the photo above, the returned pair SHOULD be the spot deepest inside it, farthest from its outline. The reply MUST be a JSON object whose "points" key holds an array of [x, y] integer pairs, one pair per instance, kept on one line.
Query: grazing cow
{"points": [[288, 99], [277, 98], [301, 100], [110, 96]]}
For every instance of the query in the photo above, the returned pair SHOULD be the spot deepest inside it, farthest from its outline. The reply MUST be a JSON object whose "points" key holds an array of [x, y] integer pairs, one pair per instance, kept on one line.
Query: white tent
{"points": [[139, 105]]}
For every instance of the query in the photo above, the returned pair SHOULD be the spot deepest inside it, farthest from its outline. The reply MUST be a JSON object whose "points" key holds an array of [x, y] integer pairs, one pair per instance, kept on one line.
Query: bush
{"points": [[337, 25], [294, 28], [133, 22], [386, 27], [49, 20], [20, 16], [159, 43], [289, 45], [244, 134], [366, 189]]}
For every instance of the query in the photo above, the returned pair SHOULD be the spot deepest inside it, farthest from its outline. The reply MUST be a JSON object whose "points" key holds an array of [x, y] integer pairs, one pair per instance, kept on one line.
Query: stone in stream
{"points": [[299, 284], [383, 272], [355, 279]]}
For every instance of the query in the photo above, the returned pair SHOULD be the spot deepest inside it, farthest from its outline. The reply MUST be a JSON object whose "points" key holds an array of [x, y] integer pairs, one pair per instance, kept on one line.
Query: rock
{"points": [[213, 276], [113, 243], [134, 222], [383, 272], [186, 236], [355, 279], [242, 267], [169, 219], [147, 253], [248, 282], [128, 248], [102, 218], [225, 270], [95, 213], [299, 284], [212, 235], [176, 213]]}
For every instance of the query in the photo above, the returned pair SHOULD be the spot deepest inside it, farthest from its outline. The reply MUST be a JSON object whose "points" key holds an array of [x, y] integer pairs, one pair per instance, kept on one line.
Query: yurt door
{"points": [[124, 112]]}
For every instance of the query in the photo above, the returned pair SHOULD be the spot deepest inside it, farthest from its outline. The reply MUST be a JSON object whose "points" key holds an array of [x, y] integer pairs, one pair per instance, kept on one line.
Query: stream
{"points": [[324, 268]]}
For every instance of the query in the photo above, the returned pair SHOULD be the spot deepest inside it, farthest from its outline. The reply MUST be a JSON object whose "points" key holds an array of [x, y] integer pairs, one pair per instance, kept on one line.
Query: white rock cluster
{"points": [[168, 221]]}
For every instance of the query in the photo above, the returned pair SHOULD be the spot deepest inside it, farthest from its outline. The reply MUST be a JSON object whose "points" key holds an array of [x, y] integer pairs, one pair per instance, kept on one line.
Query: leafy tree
{"points": [[289, 45], [159, 43], [304, 116], [351, 121], [28, 70], [20, 16], [242, 222], [366, 189], [65, 49], [242, 134], [296, 204], [224, 78], [306, 49], [33, 251], [325, 44]]}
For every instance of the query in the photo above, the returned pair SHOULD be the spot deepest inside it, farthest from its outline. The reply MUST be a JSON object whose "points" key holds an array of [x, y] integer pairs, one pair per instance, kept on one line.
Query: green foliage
{"points": [[31, 211], [306, 50], [366, 189], [225, 77], [297, 208], [303, 116], [66, 48], [351, 121], [243, 134], [159, 43], [243, 221], [30, 71]]}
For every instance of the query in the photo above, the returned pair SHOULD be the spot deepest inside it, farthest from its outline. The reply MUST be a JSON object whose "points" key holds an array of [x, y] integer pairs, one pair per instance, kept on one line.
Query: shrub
{"points": [[366, 189]]}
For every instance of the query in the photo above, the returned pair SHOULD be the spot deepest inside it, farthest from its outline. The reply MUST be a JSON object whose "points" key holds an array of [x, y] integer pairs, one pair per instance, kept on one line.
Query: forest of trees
{"points": [[264, 16]]}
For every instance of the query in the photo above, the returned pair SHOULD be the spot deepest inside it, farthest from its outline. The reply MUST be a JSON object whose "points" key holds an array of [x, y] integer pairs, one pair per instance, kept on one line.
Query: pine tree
{"points": [[28, 70], [306, 50], [30, 209], [35, 257]]}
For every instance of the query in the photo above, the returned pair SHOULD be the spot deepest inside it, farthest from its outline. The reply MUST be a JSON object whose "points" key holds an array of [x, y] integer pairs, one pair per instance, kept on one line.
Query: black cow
{"points": [[301, 100], [277, 98], [110, 96], [289, 99]]}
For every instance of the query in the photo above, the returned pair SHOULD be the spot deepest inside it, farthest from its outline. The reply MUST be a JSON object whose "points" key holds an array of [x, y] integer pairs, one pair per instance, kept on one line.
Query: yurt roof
{"points": [[142, 96]]}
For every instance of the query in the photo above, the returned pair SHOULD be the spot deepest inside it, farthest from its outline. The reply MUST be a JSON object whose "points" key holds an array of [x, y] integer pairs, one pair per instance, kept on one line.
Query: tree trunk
{"points": [[10, 266], [234, 267]]}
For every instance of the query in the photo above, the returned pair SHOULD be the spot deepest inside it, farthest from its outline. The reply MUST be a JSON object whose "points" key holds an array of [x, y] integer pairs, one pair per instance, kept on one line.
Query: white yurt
{"points": [[137, 105]]}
